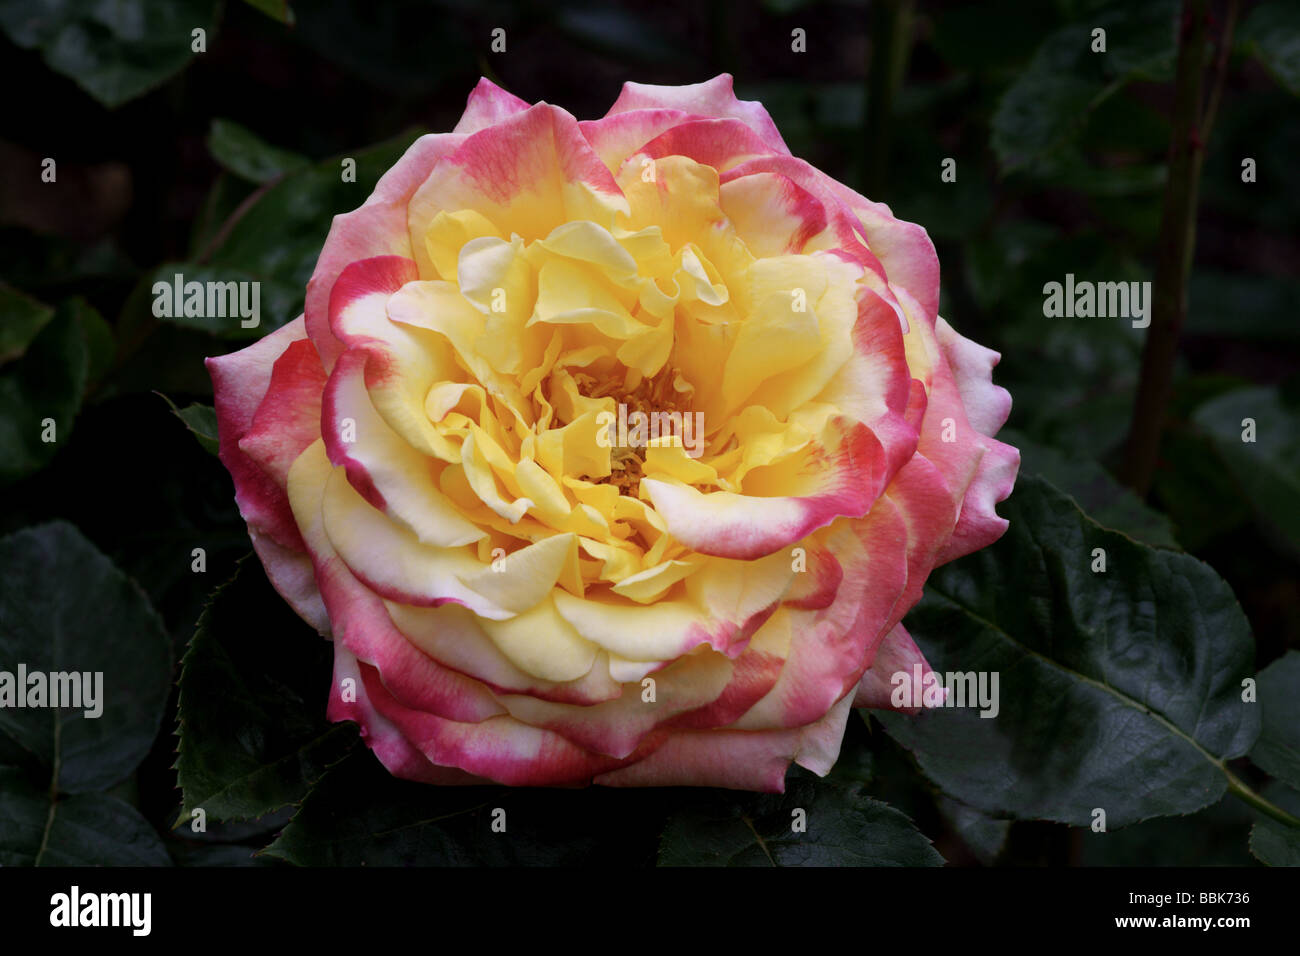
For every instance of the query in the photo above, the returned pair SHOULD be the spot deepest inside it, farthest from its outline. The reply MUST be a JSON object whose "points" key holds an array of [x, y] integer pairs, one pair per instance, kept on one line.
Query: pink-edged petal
{"points": [[842, 477], [736, 759], [394, 751], [288, 420], [894, 666], [529, 173], [979, 525], [239, 382], [376, 228], [292, 575], [488, 105], [712, 98], [830, 648], [720, 143], [987, 405], [614, 138]]}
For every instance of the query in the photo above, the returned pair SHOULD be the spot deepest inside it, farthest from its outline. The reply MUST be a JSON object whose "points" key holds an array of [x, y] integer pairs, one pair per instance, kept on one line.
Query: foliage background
{"points": [[228, 161]]}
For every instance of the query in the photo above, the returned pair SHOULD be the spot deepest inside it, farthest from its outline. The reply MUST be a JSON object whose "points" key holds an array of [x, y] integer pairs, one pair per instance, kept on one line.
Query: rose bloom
{"points": [[426, 466]]}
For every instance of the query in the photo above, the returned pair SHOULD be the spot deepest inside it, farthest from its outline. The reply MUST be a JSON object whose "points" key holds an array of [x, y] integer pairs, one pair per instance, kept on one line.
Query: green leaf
{"points": [[278, 238], [91, 829], [201, 420], [1119, 690], [359, 815], [844, 827], [253, 733], [1222, 835], [1048, 104], [1101, 497], [1267, 469], [275, 9], [242, 152], [984, 835], [1272, 33], [98, 336], [1278, 749], [114, 51], [21, 318], [1272, 841], [64, 607], [40, 395], [222, 289]]}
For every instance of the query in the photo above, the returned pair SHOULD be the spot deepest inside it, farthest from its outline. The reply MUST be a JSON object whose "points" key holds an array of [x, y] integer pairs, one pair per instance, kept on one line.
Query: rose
{"points": [[515, 592]]}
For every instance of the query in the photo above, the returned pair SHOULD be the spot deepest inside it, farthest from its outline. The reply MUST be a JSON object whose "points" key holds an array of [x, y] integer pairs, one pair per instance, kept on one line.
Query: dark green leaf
{"points": [[1272, 32], [275, 9], [114, 51], [201, 420], [242, 152], [91, 829], [1101, 497], [1278, 749], [844, 827], [64, 607], [1272, 841], [279, 238], [1267, 468], [1049, 102], [984, 835], [253, 733], [21, 317], [40, 395], [1133, 674], [358, 815]]}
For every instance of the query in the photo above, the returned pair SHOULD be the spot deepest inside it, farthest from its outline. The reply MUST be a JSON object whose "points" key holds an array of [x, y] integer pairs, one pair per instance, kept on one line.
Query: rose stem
{"points": [[1177, 238]]}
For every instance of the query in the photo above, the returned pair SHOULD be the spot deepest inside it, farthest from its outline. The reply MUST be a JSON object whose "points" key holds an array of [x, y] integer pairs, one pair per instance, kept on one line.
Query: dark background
{"points": [[1053, 189]]}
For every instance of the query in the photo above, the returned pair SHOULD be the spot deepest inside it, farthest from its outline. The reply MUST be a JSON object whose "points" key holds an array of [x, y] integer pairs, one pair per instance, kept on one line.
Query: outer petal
{"points": [[898, 654], [376, 228], [714, 98], [240, 381], [488, 105]]}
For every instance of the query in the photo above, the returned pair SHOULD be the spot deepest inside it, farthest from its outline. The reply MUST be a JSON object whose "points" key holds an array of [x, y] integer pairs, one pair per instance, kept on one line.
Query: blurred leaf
{"points": [[21, 317], [253, 733], [267, 301], [984, 835], [201, 420], [242, 152], [47, 383], [373, 41], [64, 607], [1272, 841], [114, 51], [1049, 103], [1243, 307], [845, 827], [1221, 832], [98, 336], [1139, 668], [1267, 469], [1101, 497], [275, 9], [1277, 751], [90, 829], [619, 32], [278, 240], [359, 815], [1272, 33]]}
